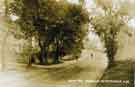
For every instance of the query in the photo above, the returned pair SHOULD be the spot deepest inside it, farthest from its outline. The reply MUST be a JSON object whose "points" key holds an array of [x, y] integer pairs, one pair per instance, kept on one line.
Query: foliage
{"points": [[26, 52], [107, 26], [58, 25]]}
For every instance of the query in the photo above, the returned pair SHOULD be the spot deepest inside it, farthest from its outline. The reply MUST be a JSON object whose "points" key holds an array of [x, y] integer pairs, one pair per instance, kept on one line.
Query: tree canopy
{"points": [[108, 25], [58, 27]]}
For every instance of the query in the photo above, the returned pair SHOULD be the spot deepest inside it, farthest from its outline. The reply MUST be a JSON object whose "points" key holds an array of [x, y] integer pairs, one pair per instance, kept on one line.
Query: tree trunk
{"points": [[6, 7], [111, 49], [3, 60], [110, 62], [56, 60], [43, 53]]}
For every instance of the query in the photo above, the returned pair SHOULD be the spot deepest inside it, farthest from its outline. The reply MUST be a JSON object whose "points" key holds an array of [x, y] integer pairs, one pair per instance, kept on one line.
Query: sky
{"points": [[131, 23]]}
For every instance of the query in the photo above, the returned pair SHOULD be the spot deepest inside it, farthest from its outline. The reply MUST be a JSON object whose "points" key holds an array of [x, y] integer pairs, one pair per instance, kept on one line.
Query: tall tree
{"points": [[108, 25], [57, 25]]}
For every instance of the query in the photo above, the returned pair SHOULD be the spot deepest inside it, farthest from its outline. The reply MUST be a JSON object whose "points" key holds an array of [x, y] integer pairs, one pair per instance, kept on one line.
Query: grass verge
{"points": [[121, 71]]}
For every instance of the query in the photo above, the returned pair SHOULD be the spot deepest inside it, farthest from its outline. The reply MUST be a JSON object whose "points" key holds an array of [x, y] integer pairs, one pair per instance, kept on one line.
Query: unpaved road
{"points": [[71, 75]]}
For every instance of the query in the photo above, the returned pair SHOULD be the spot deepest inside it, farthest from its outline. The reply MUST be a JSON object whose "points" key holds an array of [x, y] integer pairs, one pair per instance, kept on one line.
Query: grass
{"points": [[122, 70]]}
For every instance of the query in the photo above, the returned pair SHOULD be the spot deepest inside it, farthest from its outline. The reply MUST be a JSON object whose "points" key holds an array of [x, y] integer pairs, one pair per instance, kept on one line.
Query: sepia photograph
{"points": [[67, 43]]}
